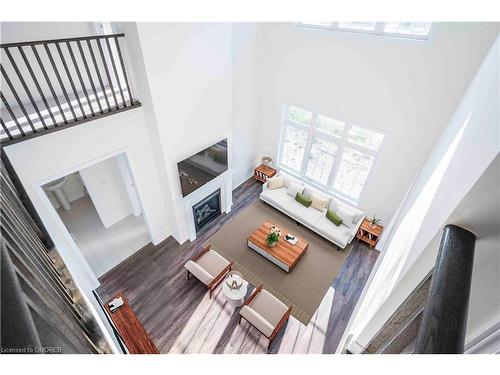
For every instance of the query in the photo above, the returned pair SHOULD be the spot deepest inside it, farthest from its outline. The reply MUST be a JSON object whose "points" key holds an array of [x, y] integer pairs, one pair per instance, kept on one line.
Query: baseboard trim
{"points": [[487, 342]]}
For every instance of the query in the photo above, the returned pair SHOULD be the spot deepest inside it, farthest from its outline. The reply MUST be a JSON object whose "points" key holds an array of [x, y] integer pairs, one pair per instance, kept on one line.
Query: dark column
{"points": [[445, 315]]}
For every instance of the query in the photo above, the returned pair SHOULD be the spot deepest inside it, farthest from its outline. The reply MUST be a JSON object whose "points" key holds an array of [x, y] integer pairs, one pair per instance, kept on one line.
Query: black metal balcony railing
{"points": [[52, 84]]}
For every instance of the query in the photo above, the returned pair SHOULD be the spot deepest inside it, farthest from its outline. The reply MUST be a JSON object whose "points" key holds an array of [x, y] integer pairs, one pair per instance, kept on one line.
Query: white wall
{"points": [[12, 32], [246, 60], [406, 89], [188, 69], [106, 188], [468, 145]]}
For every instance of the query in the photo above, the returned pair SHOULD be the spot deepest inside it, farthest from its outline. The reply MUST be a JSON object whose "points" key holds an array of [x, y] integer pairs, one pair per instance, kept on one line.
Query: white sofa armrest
{"points": [[265, 185], [356, 228], [257, 320]]}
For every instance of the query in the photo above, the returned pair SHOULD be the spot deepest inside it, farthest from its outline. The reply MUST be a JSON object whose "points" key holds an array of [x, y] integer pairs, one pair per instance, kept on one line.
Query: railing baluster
{"points": [[72, 84], [110, 82], [80, 77], [58, 76], [30, 108], [116, 72], [5, 129], [12, 114], [33, 77], [98, 74], [26, 89], [21, 105], [89, 75], [123, 70], [47, 79]]}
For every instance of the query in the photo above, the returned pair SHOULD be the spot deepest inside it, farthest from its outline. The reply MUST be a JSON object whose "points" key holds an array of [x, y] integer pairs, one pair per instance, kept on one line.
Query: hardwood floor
{"points": [[180, 318]]}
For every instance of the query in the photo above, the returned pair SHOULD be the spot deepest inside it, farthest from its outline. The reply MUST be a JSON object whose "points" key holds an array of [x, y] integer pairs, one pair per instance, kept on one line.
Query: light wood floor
{"points": [[103, 248], [180, 317]]}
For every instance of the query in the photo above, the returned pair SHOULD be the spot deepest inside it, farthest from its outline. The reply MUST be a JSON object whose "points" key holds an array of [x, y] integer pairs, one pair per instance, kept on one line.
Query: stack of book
{"points": [[115, 304]]}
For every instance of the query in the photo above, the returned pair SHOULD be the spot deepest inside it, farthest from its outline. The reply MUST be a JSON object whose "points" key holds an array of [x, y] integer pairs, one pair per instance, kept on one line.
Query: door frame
{"points": [[38, 188]]}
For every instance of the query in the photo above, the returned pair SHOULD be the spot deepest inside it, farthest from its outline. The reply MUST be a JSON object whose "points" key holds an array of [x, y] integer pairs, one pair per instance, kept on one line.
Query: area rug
{"points": [[305, 286]]}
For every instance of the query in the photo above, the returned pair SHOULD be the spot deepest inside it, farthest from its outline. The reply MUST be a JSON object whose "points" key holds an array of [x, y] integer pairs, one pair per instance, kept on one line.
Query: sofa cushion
{"points": [[295, 188], [305, 215], [257, 320], [287, 179], [333, 217], [269, 307], [303, 199], [277, 197], [199, 272], [347, 215], [340, 235], [276, 182], [213, 262], [335, 205], [319, 202]]}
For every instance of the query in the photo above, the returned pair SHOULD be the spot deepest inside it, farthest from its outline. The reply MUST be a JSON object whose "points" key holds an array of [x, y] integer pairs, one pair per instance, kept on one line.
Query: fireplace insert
{"points": [[206, 210]]}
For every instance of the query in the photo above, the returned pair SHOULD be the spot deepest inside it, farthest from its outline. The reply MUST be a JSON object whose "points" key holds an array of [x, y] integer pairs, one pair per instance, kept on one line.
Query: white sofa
{"points": [[311, 217]]}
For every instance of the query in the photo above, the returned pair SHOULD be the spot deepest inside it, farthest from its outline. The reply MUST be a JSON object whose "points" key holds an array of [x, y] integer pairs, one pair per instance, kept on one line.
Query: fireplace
{"points": [[206, 210]]}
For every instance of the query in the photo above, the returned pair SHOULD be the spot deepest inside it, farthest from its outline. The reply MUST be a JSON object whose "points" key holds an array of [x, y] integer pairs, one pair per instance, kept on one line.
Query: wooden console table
{"points": [[368, 234], [130, 329], [262, 173]]}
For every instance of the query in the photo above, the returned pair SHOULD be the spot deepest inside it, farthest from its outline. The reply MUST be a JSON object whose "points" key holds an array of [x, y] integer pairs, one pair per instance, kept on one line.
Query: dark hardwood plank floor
{"points": [[180, 318]]}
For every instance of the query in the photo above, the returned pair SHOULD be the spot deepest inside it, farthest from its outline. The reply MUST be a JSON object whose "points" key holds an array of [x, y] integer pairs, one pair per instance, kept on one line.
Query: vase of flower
{"points": [[273, 237], [374, 221]]}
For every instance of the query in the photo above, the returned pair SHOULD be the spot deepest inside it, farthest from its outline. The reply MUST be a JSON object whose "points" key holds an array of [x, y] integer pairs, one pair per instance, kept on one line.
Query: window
{"points": [[330, 126], [366, 26], [407, 28], [411, 30], [294, 145], [321, 160], [330, 153], [353, 172], [366, 138]]}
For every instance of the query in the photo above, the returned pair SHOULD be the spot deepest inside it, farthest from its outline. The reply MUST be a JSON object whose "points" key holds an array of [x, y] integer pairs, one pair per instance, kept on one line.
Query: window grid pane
{"points": [[410, 30], [353, 172], [330, 126], [294, 146], [364, 26], [365, 138], [321, 160], [299, 115], [315, 23]]}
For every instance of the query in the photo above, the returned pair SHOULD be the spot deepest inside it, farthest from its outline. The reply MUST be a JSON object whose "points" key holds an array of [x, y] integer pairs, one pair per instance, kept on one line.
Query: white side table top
{"points": [[235, 294]]}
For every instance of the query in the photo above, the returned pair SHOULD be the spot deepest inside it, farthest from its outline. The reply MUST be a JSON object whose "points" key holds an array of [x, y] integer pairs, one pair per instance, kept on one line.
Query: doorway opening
{"points": [[100, 208]]}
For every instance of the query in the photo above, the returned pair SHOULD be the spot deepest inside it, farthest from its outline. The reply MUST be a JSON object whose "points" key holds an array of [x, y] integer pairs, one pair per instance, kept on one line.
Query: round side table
{"points": [[236, 297]]}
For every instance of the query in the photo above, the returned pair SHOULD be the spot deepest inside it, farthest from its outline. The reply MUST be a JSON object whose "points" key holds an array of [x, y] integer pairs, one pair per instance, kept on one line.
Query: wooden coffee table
{"points": [[284, 254]]}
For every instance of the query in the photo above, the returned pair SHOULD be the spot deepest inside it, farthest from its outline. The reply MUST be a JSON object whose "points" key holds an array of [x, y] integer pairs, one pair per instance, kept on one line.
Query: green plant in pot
{"points": [[273, 237], [374, 221]]}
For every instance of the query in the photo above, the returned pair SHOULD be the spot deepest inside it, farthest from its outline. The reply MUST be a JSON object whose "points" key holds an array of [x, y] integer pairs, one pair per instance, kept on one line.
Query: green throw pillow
{"points": [[303, 199], [333, 217]]}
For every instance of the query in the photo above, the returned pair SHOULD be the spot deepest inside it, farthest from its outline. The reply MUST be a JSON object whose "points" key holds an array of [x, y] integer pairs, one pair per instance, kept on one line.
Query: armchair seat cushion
{"points": [[213, 263], [269, 307], [257, 320], [207, 267]]}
